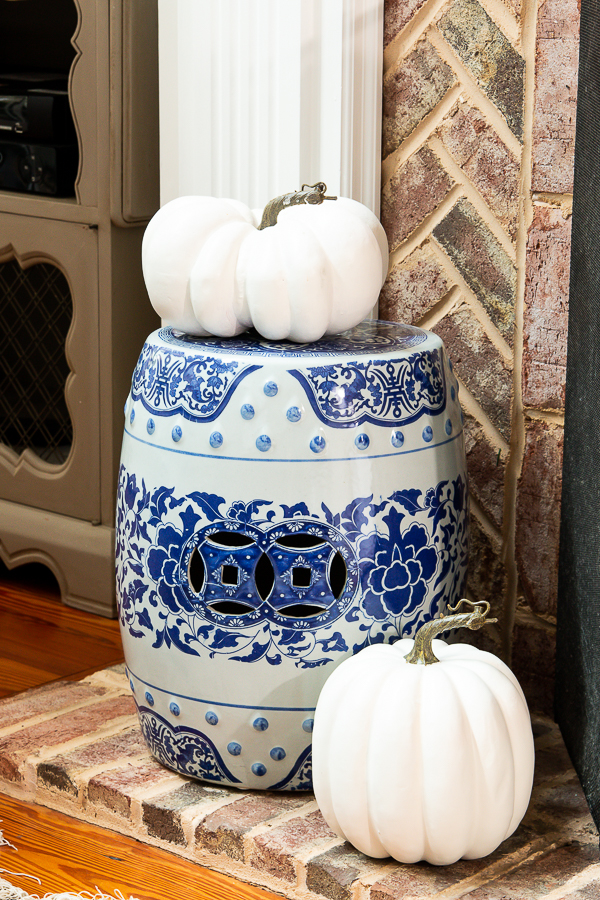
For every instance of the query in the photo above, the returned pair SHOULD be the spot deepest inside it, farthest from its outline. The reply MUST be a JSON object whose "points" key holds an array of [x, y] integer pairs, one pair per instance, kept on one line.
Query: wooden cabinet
{"points": [[73, 307]]}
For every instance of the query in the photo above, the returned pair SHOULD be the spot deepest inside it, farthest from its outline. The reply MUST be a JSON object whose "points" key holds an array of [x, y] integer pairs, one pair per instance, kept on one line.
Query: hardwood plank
{"points": [[69, 855], [38, 633], [18, 676], [51, 647], [20, 598], [55, 612]]}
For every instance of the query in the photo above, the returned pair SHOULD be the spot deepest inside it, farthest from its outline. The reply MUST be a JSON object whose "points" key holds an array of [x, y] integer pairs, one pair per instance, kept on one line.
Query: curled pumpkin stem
{"points": [[312, 194], [422, 652]]}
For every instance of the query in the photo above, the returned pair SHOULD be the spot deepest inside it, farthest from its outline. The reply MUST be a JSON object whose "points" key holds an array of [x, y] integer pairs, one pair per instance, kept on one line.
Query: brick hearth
{"points": [[77, 748]]}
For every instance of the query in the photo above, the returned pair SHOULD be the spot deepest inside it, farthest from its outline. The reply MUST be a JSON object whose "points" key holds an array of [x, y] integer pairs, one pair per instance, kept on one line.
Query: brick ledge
{"points": [[77, 748]]}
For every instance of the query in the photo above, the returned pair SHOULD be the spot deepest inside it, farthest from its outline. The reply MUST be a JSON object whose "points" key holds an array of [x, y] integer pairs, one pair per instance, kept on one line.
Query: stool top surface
{"points": [[371, 338]]}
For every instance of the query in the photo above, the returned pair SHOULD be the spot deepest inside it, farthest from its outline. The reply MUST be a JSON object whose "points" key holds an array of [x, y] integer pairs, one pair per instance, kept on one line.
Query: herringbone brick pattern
{"points": [[478, 132]]}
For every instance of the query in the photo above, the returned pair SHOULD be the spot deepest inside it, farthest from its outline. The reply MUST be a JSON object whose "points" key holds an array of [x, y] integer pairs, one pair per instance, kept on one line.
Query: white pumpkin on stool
{"points": [[297, 270], [420, 761]]}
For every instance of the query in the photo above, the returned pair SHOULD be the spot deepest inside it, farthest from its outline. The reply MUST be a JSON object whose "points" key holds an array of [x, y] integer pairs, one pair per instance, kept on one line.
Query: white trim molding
{"points": [[258, 97]]}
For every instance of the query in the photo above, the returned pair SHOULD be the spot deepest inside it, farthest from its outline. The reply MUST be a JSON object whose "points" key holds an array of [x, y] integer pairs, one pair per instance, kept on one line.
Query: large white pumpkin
{"points": [[422, 761], [210, 268]]}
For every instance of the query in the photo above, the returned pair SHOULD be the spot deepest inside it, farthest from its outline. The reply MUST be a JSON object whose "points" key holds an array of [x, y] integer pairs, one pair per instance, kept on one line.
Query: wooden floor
{"points": [[68, 855], [42, 640]]}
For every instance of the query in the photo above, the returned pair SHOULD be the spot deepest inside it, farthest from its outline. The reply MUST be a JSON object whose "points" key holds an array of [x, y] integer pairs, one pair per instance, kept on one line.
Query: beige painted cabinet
{"points": [[73, 308]]}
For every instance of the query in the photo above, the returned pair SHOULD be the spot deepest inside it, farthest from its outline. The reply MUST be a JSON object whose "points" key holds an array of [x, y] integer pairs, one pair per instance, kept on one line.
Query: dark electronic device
{"points": [[38, 142], [38, 168]]}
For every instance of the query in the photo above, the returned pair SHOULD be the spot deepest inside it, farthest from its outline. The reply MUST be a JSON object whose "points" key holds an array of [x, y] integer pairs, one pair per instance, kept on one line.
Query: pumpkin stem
{"points": [[422, 652], [313, 194]]}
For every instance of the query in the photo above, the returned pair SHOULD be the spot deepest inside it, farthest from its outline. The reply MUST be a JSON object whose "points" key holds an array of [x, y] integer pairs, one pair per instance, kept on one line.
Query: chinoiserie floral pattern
{"points": [[169, 382], [184, 749], [191, 752], [402, 560], [391, 392]]}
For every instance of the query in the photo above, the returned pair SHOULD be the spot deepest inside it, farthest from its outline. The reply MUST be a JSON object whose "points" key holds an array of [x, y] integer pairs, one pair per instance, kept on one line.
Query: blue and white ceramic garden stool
{"points": [[280, 507]]}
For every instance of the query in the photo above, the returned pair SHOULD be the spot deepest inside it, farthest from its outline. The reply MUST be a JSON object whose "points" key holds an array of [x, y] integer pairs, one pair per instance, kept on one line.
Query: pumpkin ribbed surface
{"points": [[423, 762], [210, 270]]}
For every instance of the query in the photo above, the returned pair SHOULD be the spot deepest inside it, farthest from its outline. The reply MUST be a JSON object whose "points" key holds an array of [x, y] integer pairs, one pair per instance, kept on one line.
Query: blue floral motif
{"points": [[398, 581], [398, 562], [392, 392], [368, 337], [183, 749], [197, 387]]}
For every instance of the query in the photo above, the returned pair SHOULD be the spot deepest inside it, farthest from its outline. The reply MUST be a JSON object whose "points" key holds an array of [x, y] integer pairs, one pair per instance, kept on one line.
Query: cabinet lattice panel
{"points": [[35, 315]]}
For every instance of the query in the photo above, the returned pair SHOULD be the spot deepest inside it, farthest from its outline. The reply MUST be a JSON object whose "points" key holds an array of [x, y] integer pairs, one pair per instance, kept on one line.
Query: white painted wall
{"points": [[260, 96]]}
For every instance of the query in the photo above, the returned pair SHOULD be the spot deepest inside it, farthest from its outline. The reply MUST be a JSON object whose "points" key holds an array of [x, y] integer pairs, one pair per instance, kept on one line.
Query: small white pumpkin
{"points": [[297, 270], [421, 761]]}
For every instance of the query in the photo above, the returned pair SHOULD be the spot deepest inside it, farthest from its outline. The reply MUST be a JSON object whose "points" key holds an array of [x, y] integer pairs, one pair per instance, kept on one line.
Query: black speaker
{"points": [[577, 703]]}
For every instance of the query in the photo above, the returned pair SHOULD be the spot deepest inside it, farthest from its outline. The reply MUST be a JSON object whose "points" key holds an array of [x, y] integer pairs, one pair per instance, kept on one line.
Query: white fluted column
{"points": [[260, 96]]}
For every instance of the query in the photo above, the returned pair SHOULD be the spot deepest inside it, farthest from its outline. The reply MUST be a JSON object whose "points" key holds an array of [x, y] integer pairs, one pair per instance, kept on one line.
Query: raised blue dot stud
{"points": [[212, 718], [317, 445], [263, 443], [234, 748]]}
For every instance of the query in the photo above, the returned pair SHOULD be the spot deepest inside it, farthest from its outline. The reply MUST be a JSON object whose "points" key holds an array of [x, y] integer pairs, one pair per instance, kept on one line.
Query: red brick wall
{"points": [[478, 135]]}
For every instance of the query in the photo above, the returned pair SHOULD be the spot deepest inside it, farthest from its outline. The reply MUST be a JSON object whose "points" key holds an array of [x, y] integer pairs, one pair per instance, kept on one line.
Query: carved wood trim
{"points": [[67, 488], [83, 79]]}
